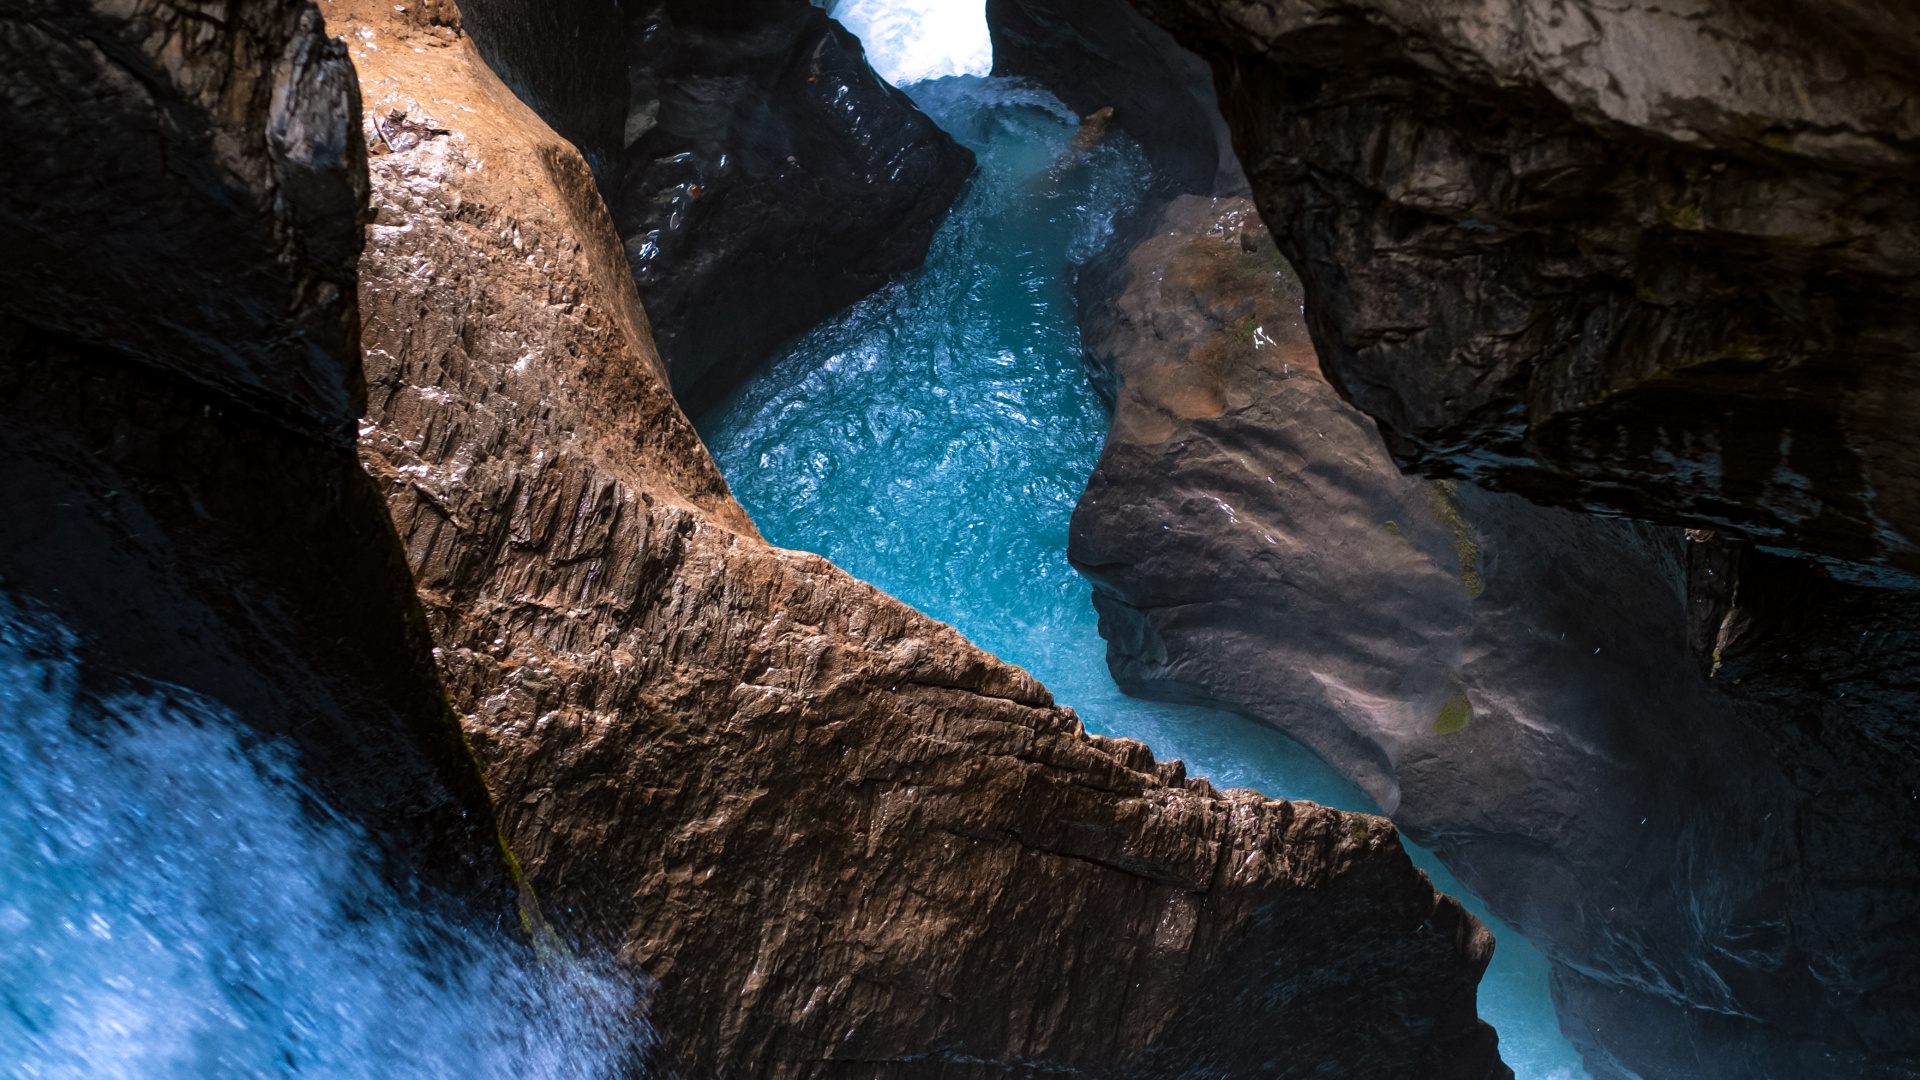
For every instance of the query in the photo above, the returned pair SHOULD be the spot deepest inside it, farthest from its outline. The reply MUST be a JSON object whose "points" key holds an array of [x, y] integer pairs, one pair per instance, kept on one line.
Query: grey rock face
{"points": [[179, 380], [1531, 691], [1632, 258]]}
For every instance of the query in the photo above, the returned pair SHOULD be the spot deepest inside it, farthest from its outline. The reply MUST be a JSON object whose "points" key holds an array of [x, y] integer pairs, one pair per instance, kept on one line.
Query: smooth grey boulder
{"points": [[1711, 858]]}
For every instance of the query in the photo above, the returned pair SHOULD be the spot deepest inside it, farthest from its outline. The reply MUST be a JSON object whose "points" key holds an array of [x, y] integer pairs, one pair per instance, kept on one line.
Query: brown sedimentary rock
{"points": [[845, 841]]}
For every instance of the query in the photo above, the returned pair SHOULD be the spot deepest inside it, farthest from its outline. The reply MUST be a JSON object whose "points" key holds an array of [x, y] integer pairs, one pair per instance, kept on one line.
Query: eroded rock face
{"points": [[179, 378], [1628, 258], [1684, 801], [846, 842], [771, 180]]}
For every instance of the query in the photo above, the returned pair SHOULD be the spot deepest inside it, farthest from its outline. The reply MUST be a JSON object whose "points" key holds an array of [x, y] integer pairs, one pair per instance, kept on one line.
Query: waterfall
{"points": [[178, 905], [911, 40]]}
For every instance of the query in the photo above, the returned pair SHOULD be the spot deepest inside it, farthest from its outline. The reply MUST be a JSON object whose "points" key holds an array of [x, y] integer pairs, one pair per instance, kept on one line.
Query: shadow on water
{"points": [[934, 438]]}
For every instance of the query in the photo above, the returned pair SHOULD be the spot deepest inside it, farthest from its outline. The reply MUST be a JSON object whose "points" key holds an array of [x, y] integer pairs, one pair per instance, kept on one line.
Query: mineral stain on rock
{"points": [[1454, 716]]}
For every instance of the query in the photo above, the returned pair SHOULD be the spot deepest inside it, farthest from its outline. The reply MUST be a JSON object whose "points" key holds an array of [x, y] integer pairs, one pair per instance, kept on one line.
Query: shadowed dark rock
{"points": [[1095, 54], [772, 179], [1685, 770], [1620, 257], [179, 381], [567, 59]]}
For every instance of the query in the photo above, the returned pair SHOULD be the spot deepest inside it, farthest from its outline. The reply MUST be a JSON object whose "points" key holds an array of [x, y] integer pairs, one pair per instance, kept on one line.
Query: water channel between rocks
{"points": [[933, 440]]}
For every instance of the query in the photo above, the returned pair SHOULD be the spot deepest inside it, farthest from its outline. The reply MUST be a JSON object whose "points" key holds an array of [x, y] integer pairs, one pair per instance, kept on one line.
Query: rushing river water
{"points": [[933, 441], [177, 907]]}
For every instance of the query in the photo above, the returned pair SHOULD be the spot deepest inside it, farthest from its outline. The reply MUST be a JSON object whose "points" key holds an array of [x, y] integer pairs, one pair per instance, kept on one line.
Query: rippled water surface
{"points": [[934, 438], [175, 906]]}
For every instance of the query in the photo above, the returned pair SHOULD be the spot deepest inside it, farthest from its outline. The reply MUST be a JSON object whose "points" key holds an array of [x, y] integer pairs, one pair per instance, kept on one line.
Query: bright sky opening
{"points": [[911, 40]]}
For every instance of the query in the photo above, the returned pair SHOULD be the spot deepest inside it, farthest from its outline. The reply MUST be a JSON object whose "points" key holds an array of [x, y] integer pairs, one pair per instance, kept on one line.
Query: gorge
{"points": [[1510, 460]]}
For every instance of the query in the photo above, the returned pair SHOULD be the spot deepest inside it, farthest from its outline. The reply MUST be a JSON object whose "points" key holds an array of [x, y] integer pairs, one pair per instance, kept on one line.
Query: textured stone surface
{"points": [[845, 841], [1637, 258], [1684, 798], [771, 180], [178, 380]]}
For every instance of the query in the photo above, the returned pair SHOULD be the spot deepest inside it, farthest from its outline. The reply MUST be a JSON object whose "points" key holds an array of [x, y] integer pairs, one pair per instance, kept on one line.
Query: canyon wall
{"points": [[1617, 260], [761, 175], [1621, 257], [1683, 801], [844, 841], [179, 383]]}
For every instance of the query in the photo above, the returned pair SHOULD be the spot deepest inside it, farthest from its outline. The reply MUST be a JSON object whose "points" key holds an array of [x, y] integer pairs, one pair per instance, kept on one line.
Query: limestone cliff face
{"points": [[1634, 258], [179, 378], [846, 842], [1684, 802]]}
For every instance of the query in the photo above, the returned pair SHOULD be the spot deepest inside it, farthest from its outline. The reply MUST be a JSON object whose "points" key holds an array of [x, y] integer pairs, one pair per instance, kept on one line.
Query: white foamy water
{"points": [[175, 906], [909, 41]]}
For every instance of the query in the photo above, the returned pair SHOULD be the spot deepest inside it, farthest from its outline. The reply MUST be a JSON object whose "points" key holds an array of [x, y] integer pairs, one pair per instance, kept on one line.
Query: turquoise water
{"points": [[177, 907], [934, 438]]}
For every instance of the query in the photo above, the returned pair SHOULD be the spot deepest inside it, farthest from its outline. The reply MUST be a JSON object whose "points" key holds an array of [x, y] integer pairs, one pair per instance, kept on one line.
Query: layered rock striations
{"points": [[1690, 801], [179, 382], [772, 179], [845, 842], [1629, 258]]}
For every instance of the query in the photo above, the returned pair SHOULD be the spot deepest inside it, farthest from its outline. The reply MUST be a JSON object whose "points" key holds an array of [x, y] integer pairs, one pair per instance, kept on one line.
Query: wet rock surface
{"points": [[771, 180], [846, 842], [179, 379], [1624, 258], [1095, 54], [1685, 802]]}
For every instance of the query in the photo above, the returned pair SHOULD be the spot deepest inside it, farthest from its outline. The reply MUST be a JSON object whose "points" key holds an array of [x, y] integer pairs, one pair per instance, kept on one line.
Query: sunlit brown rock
{"points": [[845, 841]]}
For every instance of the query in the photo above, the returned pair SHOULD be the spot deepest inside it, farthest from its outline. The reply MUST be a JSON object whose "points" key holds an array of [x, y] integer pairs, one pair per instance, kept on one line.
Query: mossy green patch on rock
{"points": [[1682, 217], [1443, 502], [1265, 258], [1454, 716]]}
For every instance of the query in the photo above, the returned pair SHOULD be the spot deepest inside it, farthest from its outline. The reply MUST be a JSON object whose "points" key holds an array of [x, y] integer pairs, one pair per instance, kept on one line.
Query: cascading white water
{"points": [[908, 41], [176, 906]]}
